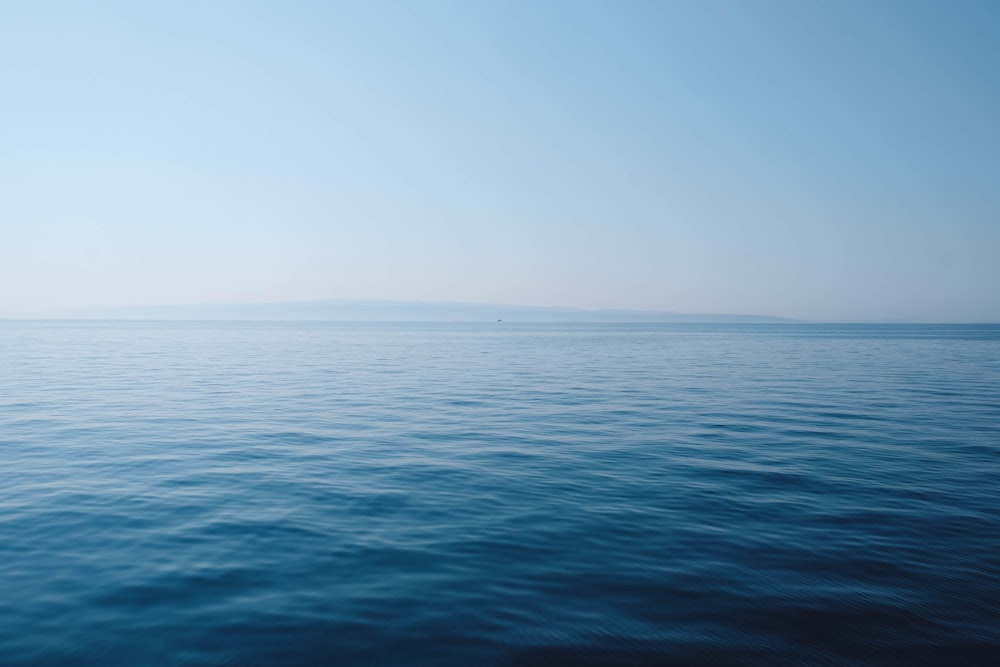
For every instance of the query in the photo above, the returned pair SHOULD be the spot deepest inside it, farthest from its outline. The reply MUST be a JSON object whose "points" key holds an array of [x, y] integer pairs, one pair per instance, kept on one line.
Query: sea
{"points": [[435, 494]]}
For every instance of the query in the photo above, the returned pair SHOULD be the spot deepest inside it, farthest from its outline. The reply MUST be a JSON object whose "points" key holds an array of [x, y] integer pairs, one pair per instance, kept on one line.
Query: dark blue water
{"points": [[498, 494]]}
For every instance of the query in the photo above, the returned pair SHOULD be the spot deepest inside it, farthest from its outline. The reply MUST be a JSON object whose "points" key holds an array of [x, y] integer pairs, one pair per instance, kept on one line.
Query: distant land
{"points": [[404, 311]]}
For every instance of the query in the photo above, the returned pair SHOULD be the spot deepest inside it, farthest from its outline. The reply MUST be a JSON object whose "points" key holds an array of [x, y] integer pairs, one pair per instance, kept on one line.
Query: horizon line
{"points": [[535, 313]]}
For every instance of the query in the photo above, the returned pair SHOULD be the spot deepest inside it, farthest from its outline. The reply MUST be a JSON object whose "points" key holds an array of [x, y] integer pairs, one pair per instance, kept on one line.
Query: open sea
{"points": [[284, 494]]}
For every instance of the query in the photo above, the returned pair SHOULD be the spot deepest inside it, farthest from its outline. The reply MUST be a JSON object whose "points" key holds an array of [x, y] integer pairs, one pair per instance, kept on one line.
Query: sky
{"points": [[825, 160]]}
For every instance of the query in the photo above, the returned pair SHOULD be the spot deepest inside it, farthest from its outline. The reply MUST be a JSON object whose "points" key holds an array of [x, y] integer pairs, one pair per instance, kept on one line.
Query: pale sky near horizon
{"points": [[817, 160]]}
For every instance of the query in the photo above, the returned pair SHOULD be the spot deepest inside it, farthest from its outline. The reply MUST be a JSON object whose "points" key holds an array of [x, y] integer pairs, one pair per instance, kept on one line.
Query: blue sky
{"points": [[821, 160]]}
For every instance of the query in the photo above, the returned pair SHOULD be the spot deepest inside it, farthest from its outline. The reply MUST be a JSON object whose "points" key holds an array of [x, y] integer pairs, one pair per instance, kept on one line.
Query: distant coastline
{"points": [[402, 311]]}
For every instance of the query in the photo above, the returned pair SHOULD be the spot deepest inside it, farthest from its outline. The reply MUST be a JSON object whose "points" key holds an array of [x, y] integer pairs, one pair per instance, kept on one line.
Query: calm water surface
{"points": [[498, 494]]}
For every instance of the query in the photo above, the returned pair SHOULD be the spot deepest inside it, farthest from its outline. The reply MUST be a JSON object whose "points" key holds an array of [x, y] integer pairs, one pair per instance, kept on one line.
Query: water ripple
{"points": [[293, 494]]}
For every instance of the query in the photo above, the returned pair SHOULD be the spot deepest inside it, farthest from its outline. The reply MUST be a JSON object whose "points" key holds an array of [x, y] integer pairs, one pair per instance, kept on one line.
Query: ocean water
{"points": [[498, 494]]}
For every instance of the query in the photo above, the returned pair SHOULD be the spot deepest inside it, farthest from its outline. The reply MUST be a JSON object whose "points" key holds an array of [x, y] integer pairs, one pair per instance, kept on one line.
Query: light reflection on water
{"points": [[309, 493]]}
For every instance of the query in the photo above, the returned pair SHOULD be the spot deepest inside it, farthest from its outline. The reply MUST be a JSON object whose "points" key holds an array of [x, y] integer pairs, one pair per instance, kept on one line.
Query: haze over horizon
{"points": [[397, 311], [833, 161]]}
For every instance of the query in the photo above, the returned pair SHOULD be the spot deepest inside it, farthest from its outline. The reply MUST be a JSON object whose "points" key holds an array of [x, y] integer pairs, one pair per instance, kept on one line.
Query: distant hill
{"points": [[407, 311]]}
